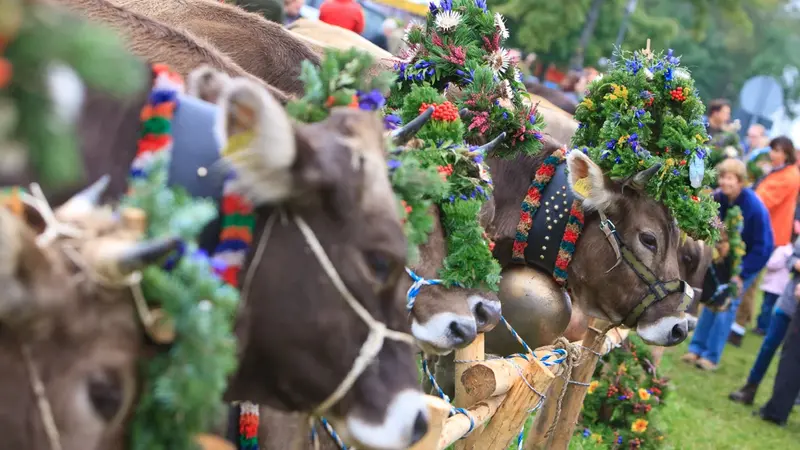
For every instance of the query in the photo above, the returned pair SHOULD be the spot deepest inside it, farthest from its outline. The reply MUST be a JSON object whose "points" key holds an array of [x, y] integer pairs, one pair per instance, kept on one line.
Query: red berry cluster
{"points": [[446, 112], [677, 94], [612, 390]]}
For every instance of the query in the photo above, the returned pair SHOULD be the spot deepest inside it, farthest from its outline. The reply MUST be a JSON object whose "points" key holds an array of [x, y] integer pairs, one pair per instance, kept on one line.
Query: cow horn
{"points": [[84, 201], [639, 181], [465, 114], [489, 146], [409, 130], [145, 253]]}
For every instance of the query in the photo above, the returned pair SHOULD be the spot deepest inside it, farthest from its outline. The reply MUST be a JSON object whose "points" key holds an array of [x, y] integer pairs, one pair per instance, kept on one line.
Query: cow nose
{"points": [[679, 333], [487, 314], [462, 333], [420, 428]]}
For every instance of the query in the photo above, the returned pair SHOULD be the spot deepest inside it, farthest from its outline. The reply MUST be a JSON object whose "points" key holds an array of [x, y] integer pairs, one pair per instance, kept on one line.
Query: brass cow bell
{"points": [[535, 305]]}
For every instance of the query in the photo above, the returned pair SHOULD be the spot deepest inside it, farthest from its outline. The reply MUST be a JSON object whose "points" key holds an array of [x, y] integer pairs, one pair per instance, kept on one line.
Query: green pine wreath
{"points": [[734, 225], [644, 112]]}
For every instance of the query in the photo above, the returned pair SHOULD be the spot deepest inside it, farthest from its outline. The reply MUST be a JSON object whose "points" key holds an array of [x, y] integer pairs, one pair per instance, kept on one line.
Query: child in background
{"points": [[775, 278]]}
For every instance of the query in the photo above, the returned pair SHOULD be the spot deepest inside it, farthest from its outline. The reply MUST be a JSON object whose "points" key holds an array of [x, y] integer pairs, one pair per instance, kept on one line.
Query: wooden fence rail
{"points": [[500, 394]]}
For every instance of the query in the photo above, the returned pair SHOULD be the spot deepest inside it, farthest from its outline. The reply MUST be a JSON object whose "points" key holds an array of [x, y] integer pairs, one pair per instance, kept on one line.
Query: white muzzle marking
{"points": [[396, 432]]}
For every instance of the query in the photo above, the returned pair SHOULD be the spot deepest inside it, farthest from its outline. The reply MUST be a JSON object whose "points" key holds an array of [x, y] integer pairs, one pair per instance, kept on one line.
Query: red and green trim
{"points": [[568, 241], [531, 203]]}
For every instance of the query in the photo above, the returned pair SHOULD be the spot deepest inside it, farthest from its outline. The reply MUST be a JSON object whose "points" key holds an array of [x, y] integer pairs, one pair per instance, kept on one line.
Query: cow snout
{"points": [[678, 333], [404, 423], [487, 312], [462, 332]]}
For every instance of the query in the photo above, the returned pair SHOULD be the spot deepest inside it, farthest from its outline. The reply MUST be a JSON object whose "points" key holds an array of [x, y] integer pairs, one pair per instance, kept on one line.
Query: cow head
{"points": [[68, 324], [607, 286], [325, 212], [446, 318]]}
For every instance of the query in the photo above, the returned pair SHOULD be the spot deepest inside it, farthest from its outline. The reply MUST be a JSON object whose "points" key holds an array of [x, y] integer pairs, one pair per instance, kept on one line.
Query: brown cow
{"points": [[157, 42], [554, 96], [333, 175], [262, 48]]}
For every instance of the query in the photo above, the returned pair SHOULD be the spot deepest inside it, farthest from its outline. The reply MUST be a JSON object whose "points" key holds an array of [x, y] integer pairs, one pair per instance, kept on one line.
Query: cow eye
{"points": [[382, 265], [648, 240]]}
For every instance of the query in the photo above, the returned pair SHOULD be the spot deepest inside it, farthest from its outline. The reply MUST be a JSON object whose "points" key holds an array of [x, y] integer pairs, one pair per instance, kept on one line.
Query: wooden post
{"points": [[512, 414], [537, 437], [573, 399], [472, 352], [457, 425], [438, 411], [490, 378]]}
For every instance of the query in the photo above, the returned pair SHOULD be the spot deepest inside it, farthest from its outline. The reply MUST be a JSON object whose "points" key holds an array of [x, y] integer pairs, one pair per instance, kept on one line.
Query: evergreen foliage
{"points": [[35, 39], [734, 225], [645, 112], [459, 52], [620, 410], [183, 384]]}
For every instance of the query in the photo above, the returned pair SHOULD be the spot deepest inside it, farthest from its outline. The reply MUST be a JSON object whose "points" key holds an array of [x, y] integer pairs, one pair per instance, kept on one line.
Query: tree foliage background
{"points": [[723, 42]]}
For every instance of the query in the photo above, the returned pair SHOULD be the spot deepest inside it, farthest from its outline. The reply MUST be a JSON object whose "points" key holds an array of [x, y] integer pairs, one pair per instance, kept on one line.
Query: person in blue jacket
{"points": [[713, 328]]}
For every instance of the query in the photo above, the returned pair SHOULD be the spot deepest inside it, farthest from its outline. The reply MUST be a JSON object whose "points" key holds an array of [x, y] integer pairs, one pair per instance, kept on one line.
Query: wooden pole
{"points": [[490, 378], [472, 352], [573, 399], [457, 426], [512, 414], [537, 437], [438, 411]]}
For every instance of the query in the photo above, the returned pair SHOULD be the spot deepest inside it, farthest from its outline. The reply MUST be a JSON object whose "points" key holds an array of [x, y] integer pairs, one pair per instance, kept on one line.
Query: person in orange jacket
{"points": [[347, 14], [779, 189]]}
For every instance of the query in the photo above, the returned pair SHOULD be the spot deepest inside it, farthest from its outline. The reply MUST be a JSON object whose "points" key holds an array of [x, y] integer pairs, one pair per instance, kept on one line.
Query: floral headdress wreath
{"points": [[645, 112], [734, 225], [459, 52]]}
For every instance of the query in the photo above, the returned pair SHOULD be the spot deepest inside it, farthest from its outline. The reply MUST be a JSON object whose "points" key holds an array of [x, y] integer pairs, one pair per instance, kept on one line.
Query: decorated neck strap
{"points": [[531, 205], [157, 114]]}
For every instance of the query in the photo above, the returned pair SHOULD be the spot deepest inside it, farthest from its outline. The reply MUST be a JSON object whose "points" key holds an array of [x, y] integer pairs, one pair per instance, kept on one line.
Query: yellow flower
{"points": [[622, 368], [597, 438], [622, 139], [660, 438], [643, 394], [700, 139], [592, 386], [588, 103], [639, 426]]}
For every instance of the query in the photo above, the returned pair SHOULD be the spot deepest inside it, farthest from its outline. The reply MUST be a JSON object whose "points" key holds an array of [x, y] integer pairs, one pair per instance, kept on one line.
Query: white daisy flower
{"points": [[648, 74], [500, 24], [408, 29], [499, 61], [681, 73], [507, 92], [447, 20]]}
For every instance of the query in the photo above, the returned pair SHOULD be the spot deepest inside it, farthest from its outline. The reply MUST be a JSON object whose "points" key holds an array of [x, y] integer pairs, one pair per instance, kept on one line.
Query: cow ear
{"points": [[206, 83], [587, 182], [260, 144]]}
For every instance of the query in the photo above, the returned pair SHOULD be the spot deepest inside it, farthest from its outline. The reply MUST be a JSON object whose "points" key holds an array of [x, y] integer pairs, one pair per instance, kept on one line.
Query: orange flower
{"points": [[643, 394], [354, 102], [445, 171], [330, 101], [5, 72], [592, 386], [639, 426]]}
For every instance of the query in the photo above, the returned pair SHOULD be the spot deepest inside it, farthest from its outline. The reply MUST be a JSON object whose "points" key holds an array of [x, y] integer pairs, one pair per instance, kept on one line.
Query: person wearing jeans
{"points": [[713, 328], [778, 326]]}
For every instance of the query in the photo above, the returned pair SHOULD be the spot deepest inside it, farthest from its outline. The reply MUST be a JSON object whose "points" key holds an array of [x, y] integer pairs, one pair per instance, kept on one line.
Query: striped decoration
{"points": [[531, 203], [238, 223], [248, 427], [156, 116], [568, 241]]}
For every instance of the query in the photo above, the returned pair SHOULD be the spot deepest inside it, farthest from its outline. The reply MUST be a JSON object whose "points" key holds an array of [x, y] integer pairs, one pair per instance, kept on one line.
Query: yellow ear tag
{"points": [[683, 237], [582, 187], [238, 142]]}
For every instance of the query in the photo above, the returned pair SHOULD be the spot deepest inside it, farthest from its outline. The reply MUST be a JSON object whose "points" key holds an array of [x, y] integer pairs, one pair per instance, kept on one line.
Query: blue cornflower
{"points": [[391, 121], [619, 440], [394, 164], [446, 5], [668, 74], [617, 160], [687, 152], [532, 119], [586, 432], [610, 144], [538, 135], [604, 155], [675, 172], [641, 125], [463, 197], [478, 159], [371, 101], [639, 113], [634, 66], [616, 116], [481, 4], [505, 114]]}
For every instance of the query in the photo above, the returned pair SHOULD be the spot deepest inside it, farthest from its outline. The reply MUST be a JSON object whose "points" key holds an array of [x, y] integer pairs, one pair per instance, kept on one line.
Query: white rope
{"points": [[45, 410], [378, 331]]}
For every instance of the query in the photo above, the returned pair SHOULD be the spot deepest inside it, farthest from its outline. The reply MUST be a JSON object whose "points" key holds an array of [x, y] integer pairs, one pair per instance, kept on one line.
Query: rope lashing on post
{"points": [[445, 397]]}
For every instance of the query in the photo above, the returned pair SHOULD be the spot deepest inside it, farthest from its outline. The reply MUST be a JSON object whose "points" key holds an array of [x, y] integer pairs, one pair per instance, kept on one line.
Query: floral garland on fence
{"points": [[182, 386], [459, 52], [623, 401], [646, 111]]}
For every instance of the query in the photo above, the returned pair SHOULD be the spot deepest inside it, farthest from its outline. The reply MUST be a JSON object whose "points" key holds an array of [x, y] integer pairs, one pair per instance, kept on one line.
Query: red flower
{"points": [[330, 101], [683, 162], [695, 198], [445, 171], [354, 102]]}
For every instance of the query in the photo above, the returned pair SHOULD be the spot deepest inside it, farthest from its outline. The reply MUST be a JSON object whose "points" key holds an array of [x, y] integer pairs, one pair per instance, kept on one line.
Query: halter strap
{"points": [[658, 289], [378, 332]]}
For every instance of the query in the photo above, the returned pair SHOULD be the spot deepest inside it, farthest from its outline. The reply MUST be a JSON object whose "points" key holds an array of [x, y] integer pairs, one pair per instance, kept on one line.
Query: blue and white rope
{"points": [[331, 432], [445, 397], [413, 291]]}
